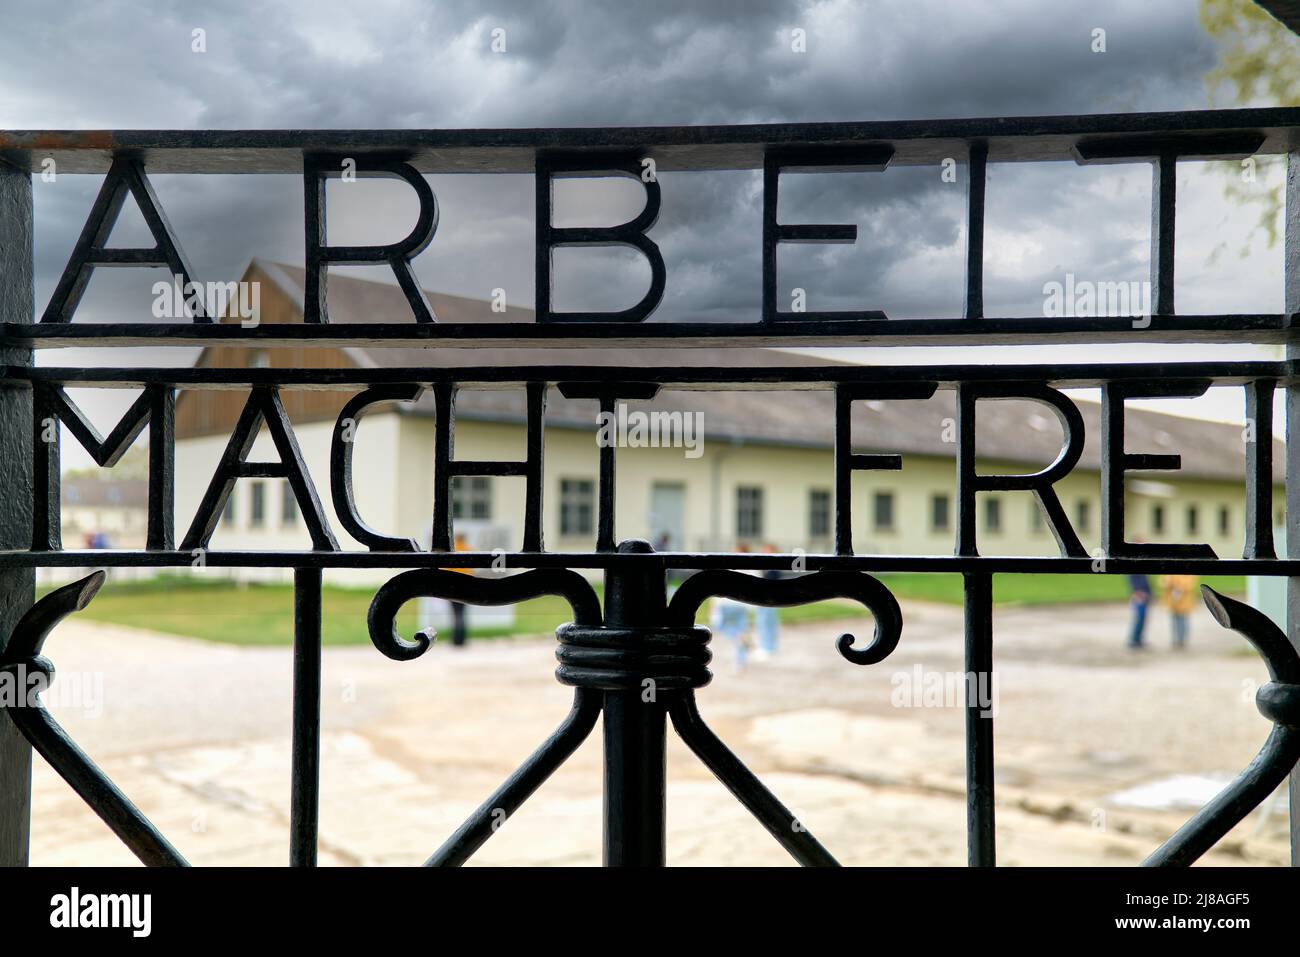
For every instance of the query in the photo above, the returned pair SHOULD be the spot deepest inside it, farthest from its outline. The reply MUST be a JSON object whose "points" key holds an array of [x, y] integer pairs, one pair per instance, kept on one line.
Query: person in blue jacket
{"points": [[1140, 587]]}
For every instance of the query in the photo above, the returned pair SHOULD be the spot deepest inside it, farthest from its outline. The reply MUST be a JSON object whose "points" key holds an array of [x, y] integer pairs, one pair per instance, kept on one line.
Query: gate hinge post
{"points": [[635, 725]]}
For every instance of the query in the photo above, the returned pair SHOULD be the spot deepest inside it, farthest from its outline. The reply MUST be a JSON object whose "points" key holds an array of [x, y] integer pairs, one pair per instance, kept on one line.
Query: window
{"points": [[819, 513], [471, 497], [257, 505], [993, 514], [1158, 519], [749, 511], [940, 513], [1193, 519], [577, 506], [1225, 520], [882, 511], [288, 505], [1083, 514], [228, 513]]}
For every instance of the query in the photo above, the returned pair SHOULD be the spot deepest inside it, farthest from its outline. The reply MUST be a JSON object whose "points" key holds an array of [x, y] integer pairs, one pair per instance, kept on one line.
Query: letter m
{"points": [[156, 408]]}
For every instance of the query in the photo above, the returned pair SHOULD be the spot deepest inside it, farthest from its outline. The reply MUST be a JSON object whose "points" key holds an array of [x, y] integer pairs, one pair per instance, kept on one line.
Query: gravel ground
{"points": [[198, 735]]}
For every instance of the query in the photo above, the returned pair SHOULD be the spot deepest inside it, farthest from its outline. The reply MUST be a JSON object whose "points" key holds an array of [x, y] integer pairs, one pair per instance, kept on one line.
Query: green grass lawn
{"points": [[1051, 589], [262, 614]]}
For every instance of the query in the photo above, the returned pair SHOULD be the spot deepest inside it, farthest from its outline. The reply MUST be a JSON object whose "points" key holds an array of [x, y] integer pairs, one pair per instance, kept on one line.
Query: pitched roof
{"points": [[90, 491], [1008, 431], [354, 300]]}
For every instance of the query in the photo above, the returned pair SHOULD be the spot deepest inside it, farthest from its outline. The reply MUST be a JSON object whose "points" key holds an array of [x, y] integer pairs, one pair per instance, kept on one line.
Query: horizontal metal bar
{"points": [[1010, 139], [264, 470], [994, 564], [472, 467], [1228, 328], [733, 378], [1127, 149]]}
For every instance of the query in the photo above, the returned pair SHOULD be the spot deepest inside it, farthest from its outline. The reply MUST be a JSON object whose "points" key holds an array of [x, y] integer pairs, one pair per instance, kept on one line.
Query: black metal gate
{"points": [[636, 662]]}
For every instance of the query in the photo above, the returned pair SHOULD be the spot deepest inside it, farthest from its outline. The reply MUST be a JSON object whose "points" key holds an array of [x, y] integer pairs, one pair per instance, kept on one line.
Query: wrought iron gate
{"points": [[639, 638]]}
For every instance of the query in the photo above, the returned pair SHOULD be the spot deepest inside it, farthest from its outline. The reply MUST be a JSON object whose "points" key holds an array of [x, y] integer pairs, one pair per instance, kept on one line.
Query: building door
{"points": [[668, 516]]}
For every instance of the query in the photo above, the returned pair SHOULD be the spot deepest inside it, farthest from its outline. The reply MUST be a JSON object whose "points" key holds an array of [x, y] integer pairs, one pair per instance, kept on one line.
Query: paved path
{"points": [[198, 735]]}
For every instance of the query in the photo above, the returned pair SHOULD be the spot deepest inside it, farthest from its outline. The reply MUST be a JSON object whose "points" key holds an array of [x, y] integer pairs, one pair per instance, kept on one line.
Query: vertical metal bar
{"points": [[980, 836], [1259, 470], [17, 585], [976, 172], [771, 182], [534, 493], [635, 728], [967, 500], [1112, 470], [46, 482], [1291, 304], [606, 488], [1164, 196], [162, 469], [444, 444], [843, 471], [304, 803], [543, 198], [316, 279]]}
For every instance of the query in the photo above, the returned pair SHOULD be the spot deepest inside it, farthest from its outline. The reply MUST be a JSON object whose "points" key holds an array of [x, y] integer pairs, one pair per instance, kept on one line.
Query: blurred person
{"points": [[767, 621], [1178, 594], [731, 619], [1140, 597]]}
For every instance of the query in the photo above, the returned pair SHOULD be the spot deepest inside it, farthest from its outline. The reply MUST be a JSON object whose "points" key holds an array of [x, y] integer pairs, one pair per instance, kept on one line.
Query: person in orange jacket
{"points": [[1178, 594]]}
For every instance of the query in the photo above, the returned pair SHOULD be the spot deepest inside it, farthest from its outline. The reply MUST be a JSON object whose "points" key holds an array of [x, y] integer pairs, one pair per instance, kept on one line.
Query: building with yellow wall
{"points": [[762, 477]]}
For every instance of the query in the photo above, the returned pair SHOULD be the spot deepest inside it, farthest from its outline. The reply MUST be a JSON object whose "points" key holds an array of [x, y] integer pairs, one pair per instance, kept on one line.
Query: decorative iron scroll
{"points": [[626, 659], [634, 656], [23, 651], [1279, 701]]}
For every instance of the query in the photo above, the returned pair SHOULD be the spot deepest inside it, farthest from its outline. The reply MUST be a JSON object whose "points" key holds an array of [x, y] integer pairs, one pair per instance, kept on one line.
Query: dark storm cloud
{"points": [[397, 64]]}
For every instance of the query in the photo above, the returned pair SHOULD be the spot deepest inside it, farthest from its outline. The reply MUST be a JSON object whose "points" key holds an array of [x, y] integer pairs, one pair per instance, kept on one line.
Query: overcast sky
{"points": [[131, 64]]}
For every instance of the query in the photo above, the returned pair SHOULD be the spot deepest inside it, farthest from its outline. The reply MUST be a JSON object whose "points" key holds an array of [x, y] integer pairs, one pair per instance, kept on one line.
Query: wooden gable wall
{"points": [[212, 412]]}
